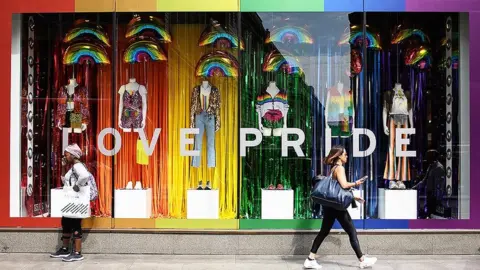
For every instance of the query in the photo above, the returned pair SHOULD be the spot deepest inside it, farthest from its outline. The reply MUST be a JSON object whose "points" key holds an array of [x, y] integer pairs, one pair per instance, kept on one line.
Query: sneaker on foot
{"points": [[61, 253], [75, 256], [311, 264], [367, 262]]}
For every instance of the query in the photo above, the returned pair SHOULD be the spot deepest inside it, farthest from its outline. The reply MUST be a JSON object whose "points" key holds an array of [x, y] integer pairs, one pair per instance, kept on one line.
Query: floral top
{"points": [[80, 105], [213, 105]]}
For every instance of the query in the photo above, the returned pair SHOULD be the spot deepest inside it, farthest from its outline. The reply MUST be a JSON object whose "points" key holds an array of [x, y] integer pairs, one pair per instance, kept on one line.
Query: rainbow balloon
{"points": [[355, 38], [407, 33], [142, 51], [81, 31], [290, 34], [414, 55], [137, 25], [275, 61], [79, 52], [217, 63], [217, 35]]}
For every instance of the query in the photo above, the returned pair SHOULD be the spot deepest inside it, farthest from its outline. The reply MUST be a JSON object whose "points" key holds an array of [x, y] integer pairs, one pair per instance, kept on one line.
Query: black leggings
{"points": [[343, 217]]}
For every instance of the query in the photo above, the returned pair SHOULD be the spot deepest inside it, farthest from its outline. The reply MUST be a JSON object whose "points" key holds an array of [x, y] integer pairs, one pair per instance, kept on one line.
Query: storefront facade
{"points": [[268, 87]]}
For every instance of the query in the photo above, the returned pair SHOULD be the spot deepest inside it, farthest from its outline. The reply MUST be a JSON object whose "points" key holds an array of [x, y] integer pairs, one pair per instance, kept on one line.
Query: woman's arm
{"points": [[342, 178]]}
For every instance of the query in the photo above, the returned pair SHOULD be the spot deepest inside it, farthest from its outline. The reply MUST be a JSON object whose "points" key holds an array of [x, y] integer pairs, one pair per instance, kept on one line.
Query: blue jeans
{"points": [[205, 122]]}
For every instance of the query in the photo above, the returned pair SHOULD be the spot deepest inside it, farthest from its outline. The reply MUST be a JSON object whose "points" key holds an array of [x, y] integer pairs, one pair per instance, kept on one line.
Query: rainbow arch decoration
{"points": [[143, 51], [290, 34], [80, 52], [217, 63], [404, 34], [276, 60], [418, 56], [79, 32], [219, 37], [139, 24], [355, 38]]}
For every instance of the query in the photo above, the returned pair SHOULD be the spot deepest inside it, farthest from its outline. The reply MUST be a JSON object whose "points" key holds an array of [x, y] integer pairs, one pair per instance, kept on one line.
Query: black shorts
{"points": [[72, 226]]}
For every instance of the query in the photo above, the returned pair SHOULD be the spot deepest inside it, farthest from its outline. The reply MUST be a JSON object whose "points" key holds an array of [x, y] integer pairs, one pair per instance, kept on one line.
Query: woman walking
{"points": [[76, 177], [337, 158]]}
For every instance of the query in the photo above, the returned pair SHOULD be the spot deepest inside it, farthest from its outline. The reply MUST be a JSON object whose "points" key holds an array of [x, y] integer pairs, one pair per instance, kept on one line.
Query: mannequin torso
{"points": [[132, 106], [339, 111], [272, 106]]}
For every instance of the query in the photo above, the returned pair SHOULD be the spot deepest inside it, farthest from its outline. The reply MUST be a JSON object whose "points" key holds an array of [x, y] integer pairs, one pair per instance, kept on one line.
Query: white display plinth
{"points": [[397, 204], [357, 213], [202, 204], [56, 202], [277, 204], [133, 203]]}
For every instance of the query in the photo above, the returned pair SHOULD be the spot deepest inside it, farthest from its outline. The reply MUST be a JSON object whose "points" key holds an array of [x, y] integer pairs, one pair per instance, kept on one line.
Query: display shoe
{"points": [[271, 187], [280, 186], [367, 262], [138, 185], [200, 187], [129, 185], [401, 185], [311, 264], [207, 187], [392, 185]]}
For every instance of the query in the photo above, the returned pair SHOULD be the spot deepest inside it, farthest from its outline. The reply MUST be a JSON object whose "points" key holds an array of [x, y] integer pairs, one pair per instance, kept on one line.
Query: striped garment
{"points": [[340, 112], [271, 108]]}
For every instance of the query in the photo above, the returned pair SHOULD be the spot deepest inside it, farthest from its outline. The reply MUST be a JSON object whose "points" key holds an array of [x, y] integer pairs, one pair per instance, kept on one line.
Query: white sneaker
{"points": [[367, 262], [138, 185], [401, 185], [311, 264], [392, 185], [129, 185]]}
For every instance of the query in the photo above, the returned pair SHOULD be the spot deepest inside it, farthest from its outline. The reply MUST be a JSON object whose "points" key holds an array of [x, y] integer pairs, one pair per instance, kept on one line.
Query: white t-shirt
{"points": [[82, 176]]}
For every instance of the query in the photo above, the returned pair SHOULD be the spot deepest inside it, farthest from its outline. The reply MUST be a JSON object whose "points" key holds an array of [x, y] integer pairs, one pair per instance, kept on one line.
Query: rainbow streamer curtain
{"points": [[148, 25], [276, 60], [142, 51], [220, 38], [290, 35], [217, 63], [79, 52]]}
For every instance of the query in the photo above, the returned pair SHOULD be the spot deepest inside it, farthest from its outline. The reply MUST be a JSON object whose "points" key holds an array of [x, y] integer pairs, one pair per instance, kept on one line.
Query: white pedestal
{"points": [[202, 204], [277, 204], [357, 213], [133, 203], [56, 195], [397, 204]]}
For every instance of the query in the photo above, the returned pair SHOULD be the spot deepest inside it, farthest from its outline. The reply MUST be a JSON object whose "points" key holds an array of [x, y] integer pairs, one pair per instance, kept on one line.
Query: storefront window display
{"points": [[65, 96]]}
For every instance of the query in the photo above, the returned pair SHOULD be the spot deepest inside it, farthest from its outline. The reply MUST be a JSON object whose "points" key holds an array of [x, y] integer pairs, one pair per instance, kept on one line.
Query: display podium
{"points": [[357, 213], [277, 204], [397, 204], [133, 203], [202, 204]]}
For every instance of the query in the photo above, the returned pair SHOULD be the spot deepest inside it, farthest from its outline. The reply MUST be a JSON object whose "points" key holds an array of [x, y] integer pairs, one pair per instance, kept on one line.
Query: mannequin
{"points": [[397, 113], [72, 111], [132, 108], [339, 111], [205, 115], [272, 108]]}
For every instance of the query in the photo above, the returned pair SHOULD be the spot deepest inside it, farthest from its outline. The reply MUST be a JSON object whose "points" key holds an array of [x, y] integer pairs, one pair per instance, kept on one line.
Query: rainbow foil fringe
{"points": [[79, 52], [217, 63]]}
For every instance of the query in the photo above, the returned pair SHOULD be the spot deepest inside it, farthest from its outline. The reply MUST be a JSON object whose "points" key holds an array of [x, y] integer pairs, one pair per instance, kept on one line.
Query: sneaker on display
{"points": [[392, 185], [280, 186], [129, 185], [207, 187], [75, 256], [311, 264], [271, 187], [401, 185], [367, 262], [61, 253], [138, 185], [200, 186]]}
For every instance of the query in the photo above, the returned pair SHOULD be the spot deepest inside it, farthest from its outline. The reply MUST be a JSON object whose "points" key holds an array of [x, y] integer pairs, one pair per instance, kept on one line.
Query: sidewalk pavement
{"points": [[245, 262]]}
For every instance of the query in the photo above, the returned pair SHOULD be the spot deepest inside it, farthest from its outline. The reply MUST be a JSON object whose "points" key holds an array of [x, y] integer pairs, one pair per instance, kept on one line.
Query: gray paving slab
{"points": [[245, 262]]}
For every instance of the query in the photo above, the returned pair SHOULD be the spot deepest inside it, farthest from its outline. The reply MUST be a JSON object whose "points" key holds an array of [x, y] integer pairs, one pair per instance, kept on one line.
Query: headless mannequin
{"points": [[131, 87], [385, 116], [72, 84], [340, 89], [273, 90], [205, 89]]}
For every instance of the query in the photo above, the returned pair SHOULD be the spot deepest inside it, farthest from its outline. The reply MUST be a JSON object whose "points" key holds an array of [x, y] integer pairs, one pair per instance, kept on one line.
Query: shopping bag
{"points": [[76, 204]]}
